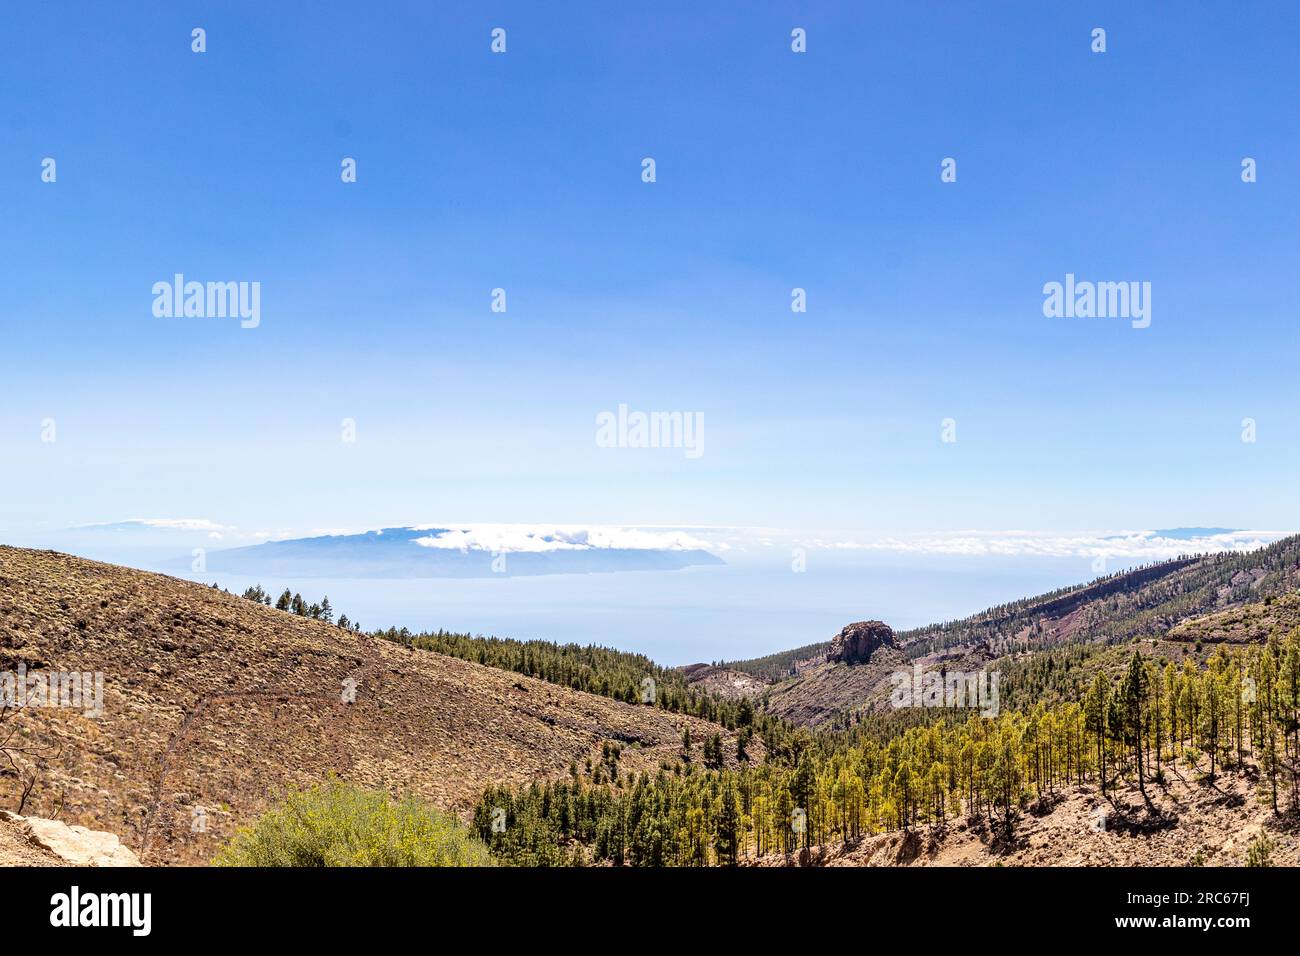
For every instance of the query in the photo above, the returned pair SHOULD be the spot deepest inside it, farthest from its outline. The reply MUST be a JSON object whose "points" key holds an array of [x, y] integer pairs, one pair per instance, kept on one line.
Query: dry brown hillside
{"points": [[722, 681], [825, 690], [1248, 623], [214, 702]]}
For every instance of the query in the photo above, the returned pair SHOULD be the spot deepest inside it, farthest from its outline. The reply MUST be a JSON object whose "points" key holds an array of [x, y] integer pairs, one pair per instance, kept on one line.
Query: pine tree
{"points": [[1133, 713], [1154, 682], [1097, 710], [713, 758], [1290, 701], [742, 744], [801, 791], [1267, 707], [1212, 713], [727, 826], [1172, 688]]}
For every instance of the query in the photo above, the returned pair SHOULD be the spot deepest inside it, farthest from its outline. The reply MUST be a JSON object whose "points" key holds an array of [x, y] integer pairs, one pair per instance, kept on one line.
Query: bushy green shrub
{"points": [[335, 824], [1260, 851]]}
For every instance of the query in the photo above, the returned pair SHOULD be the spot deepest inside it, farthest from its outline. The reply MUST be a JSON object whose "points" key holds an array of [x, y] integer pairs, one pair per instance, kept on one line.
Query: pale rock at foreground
{"points": [[75, 845]]}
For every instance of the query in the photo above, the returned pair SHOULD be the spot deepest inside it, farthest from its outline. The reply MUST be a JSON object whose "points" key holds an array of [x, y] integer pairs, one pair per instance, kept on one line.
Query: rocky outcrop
{"points": [[723, 681], [73, 845], [857, 642]]}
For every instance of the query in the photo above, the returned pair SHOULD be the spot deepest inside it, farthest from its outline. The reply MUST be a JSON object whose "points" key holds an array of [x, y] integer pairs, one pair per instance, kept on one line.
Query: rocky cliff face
{"points": [[857, 642]]}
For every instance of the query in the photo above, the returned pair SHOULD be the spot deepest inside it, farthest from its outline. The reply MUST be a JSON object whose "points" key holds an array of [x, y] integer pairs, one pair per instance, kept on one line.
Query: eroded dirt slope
{"points": [[213, 704]]}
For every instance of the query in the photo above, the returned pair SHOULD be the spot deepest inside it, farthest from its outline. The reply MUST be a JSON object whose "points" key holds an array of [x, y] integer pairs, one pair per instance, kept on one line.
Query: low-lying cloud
{"points": [[538, 538], [1128, 545]]}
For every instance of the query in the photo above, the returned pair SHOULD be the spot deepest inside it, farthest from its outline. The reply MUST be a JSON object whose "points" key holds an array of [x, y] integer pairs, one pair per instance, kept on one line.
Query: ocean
{"points": [[754, 605]]}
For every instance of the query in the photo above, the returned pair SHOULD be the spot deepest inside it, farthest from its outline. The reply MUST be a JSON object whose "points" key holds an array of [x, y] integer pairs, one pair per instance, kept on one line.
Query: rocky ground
{"points": [[1243, 624], [723, 681], [32, 841], [214, 704], [1185, 824], [17, 848]]}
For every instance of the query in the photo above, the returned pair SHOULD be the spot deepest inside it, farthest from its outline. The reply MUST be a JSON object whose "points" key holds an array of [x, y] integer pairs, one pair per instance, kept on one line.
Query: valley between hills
{"points": [[1122, 736]]}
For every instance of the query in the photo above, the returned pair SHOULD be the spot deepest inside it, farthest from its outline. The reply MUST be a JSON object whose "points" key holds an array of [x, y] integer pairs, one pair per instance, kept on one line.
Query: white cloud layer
{"points": [[498, 538], [1125, 545], [1130, 545]]}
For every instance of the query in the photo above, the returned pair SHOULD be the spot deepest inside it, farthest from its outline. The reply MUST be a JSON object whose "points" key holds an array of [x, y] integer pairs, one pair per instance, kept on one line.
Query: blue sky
{"points": [[774, 170]]}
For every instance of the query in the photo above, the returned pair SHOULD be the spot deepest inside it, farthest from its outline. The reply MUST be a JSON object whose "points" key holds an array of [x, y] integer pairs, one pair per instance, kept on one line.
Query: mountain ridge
{"points": [[1152, 601], [214, 705], [1280, 560]]}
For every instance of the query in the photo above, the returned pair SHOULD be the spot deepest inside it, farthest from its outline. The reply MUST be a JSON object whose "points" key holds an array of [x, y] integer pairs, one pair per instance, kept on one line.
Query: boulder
{"points": [[74, 845], [857, 642]]}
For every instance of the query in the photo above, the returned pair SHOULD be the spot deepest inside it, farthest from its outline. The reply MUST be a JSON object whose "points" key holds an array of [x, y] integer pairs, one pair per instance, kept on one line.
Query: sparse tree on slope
{"points": [[1133, 696], [1097, 711]]}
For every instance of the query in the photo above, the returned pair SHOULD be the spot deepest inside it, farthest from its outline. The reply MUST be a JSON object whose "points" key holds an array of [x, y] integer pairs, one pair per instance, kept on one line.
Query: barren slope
{"points": [[1243, 624], [823, 690], [723, 681], [214, 702]]}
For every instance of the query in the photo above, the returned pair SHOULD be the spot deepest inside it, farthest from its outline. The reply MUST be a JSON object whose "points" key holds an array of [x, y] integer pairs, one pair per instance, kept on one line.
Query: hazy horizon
{"points": [[776, 281], [776, 591]]}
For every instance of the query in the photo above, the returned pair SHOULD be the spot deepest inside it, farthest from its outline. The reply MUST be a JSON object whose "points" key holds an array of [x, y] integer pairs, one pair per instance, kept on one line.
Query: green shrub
{"points": [[1260, 851], [335, 824]]}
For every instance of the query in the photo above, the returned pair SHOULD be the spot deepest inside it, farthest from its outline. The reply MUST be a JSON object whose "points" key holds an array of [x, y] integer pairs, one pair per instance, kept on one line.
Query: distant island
{"points": [[412, 552]]}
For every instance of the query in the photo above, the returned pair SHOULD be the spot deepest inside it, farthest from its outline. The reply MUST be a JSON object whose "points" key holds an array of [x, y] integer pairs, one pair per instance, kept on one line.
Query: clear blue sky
{"points": [[775, 170]]}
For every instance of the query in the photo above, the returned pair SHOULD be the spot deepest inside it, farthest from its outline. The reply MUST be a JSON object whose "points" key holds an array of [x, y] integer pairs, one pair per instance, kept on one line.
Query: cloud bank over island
{"points": [[517, 538], [469, 549], [158, 524]]}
